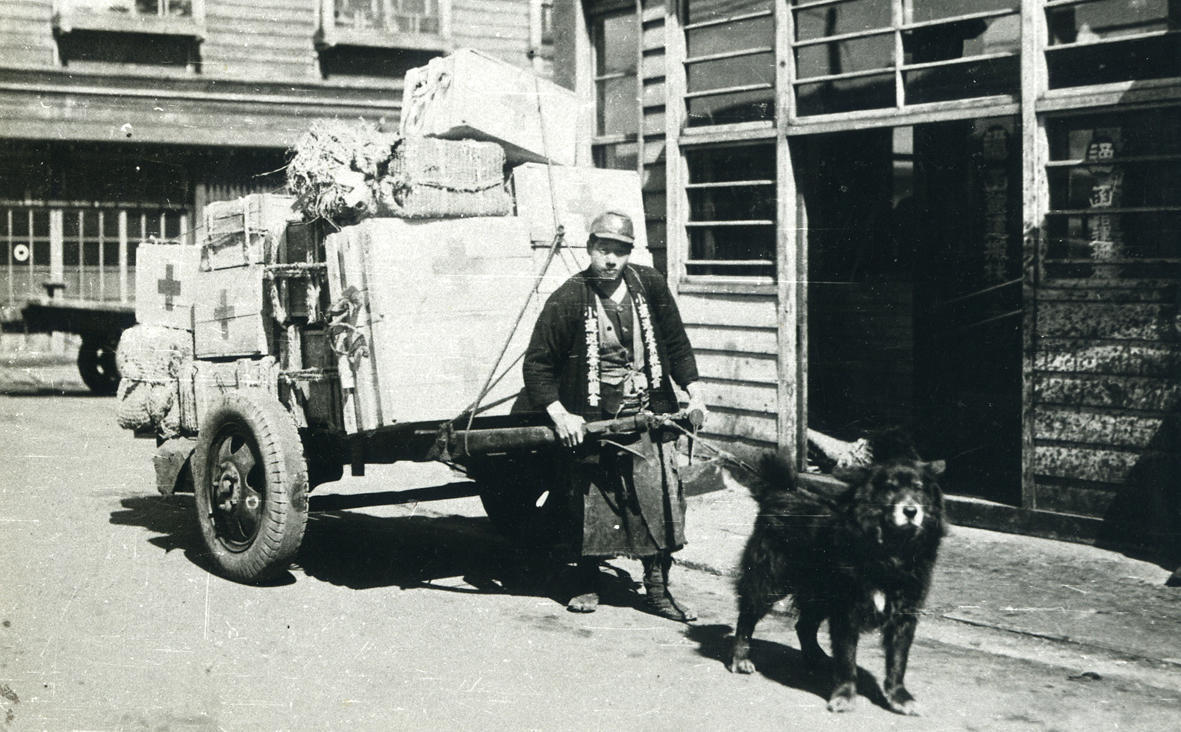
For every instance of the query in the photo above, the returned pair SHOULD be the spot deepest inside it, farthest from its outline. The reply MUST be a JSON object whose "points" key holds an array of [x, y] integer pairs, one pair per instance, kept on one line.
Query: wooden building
{"points": [[120, 119], [957, 215]]}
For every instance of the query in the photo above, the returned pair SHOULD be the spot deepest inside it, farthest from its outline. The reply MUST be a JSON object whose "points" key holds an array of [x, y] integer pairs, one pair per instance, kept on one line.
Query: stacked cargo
{"points": [[399, 281]]}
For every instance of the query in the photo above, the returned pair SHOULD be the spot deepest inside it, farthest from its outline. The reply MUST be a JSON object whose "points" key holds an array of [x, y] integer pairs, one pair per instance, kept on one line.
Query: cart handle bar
{"points": [[501, 439]]}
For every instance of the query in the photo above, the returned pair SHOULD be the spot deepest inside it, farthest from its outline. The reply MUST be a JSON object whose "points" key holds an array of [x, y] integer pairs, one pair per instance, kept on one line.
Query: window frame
{"points": [[67, 19], [599, 142], [331, 35]]}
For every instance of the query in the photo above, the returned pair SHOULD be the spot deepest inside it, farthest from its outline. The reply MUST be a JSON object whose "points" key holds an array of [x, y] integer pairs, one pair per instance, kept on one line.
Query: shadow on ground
{"points": [[780, 663], [361, 551]]}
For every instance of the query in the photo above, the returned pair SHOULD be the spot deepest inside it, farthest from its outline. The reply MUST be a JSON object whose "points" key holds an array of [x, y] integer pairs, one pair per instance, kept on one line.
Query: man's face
{"points": [[608, 258]]}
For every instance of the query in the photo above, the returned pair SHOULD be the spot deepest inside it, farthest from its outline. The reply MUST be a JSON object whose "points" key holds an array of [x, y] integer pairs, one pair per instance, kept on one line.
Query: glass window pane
{"points": [[617, 108], [756, 69], [844, 18], [934, 9], [737, 163], [846, 95], [71, 252], [751, 33], [730, 108], [90, 253], [1146, 58], [698, 11], [179, 8], [41, 253], [963, 80], [737, 203], [962, 39], [1110, 19], [41, 223], [733, 243], [616, 45], [1119, 161], [755, 200], [861, 54]]}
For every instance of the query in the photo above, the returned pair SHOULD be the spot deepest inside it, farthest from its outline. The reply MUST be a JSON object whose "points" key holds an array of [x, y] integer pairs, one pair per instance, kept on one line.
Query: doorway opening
{"points": [[914, 292]]}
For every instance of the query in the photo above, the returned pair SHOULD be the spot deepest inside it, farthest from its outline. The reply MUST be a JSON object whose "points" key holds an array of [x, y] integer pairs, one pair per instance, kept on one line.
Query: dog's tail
{"points": [[774, 473]]}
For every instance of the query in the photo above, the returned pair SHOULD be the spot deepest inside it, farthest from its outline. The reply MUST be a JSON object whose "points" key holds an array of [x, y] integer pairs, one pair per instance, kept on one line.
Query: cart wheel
{"points": [[251, 487], [511, 488], [96, 364]]}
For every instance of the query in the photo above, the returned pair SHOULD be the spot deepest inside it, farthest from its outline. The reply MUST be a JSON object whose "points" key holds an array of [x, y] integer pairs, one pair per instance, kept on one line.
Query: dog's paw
{"points": [[742, 666], [843, 699], [902, 702]]}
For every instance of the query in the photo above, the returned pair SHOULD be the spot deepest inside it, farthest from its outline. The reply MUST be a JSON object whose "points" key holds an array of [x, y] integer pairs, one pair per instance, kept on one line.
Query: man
{"points": [[609, 343]]}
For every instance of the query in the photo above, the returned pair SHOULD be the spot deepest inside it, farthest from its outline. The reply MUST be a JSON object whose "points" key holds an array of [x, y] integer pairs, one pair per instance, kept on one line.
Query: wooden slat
{"points": [[727, 90], [1092, 427], [1103, 466], [1064, 497], [731, 339], [1119, 320], [739, 396], [1122, 392], [1129, 359], [758, 312], [723, 55], [741, 425], [729, 367]]}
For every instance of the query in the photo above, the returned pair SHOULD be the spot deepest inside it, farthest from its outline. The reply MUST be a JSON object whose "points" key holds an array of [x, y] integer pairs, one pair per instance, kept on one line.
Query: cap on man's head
{"points": [[613, 225]]}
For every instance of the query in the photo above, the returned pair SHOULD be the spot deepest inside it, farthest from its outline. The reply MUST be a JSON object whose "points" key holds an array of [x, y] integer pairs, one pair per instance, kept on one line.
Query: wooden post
{"points": [[1034, 202], [124, 284], [791, 392], [676, 175], [584, 85]]}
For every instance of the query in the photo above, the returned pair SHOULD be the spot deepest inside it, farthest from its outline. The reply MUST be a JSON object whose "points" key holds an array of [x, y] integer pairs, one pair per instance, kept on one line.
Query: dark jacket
{"points": [[555, 365]]}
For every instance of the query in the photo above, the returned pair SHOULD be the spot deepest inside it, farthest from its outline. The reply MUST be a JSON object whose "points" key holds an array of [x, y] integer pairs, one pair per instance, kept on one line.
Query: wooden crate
{"points": [[468, 95], [435, 302], [165, 284], [580, 194], [228, 315], [245, 231]]}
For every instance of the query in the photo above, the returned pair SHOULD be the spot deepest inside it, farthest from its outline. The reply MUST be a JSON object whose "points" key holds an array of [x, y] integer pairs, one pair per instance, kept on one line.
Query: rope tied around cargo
{"points": [[344, 337]]}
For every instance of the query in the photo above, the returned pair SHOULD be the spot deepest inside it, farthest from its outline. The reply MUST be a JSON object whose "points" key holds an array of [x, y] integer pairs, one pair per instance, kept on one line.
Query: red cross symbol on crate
{"points": [[223, 313], [169, 287]]}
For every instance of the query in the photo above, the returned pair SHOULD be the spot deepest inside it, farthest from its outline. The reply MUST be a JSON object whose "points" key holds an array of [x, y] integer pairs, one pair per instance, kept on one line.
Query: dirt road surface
{"points": [[418, 616]]}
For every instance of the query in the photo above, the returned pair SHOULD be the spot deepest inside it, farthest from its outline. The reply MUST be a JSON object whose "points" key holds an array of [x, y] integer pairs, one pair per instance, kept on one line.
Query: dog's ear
{"points": [[935, 467]]}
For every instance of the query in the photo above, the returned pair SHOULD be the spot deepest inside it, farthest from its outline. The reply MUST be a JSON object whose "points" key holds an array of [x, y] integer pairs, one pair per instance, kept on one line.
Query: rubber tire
{"points": [[96, 364], [263, 427], [509, 489]]}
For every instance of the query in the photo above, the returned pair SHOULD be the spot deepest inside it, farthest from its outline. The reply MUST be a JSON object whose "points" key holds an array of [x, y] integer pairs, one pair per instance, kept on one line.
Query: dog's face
{"points": [[901, 499]]}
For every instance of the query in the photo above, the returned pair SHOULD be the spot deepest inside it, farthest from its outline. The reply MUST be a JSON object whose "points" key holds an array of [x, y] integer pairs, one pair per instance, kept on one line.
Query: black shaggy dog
{"points": [[861, 560]]}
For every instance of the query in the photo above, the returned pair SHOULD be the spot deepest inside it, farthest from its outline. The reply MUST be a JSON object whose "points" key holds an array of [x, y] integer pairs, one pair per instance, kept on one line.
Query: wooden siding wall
{"points": [[260, 39], [26, 33], [1107, 398], [267, 40], [734, 337]]}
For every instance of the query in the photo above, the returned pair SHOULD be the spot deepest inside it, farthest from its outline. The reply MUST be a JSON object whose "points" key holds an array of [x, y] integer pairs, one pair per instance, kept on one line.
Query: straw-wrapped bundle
{"points": [[149, 360], [332, 168], [433, 178]]}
